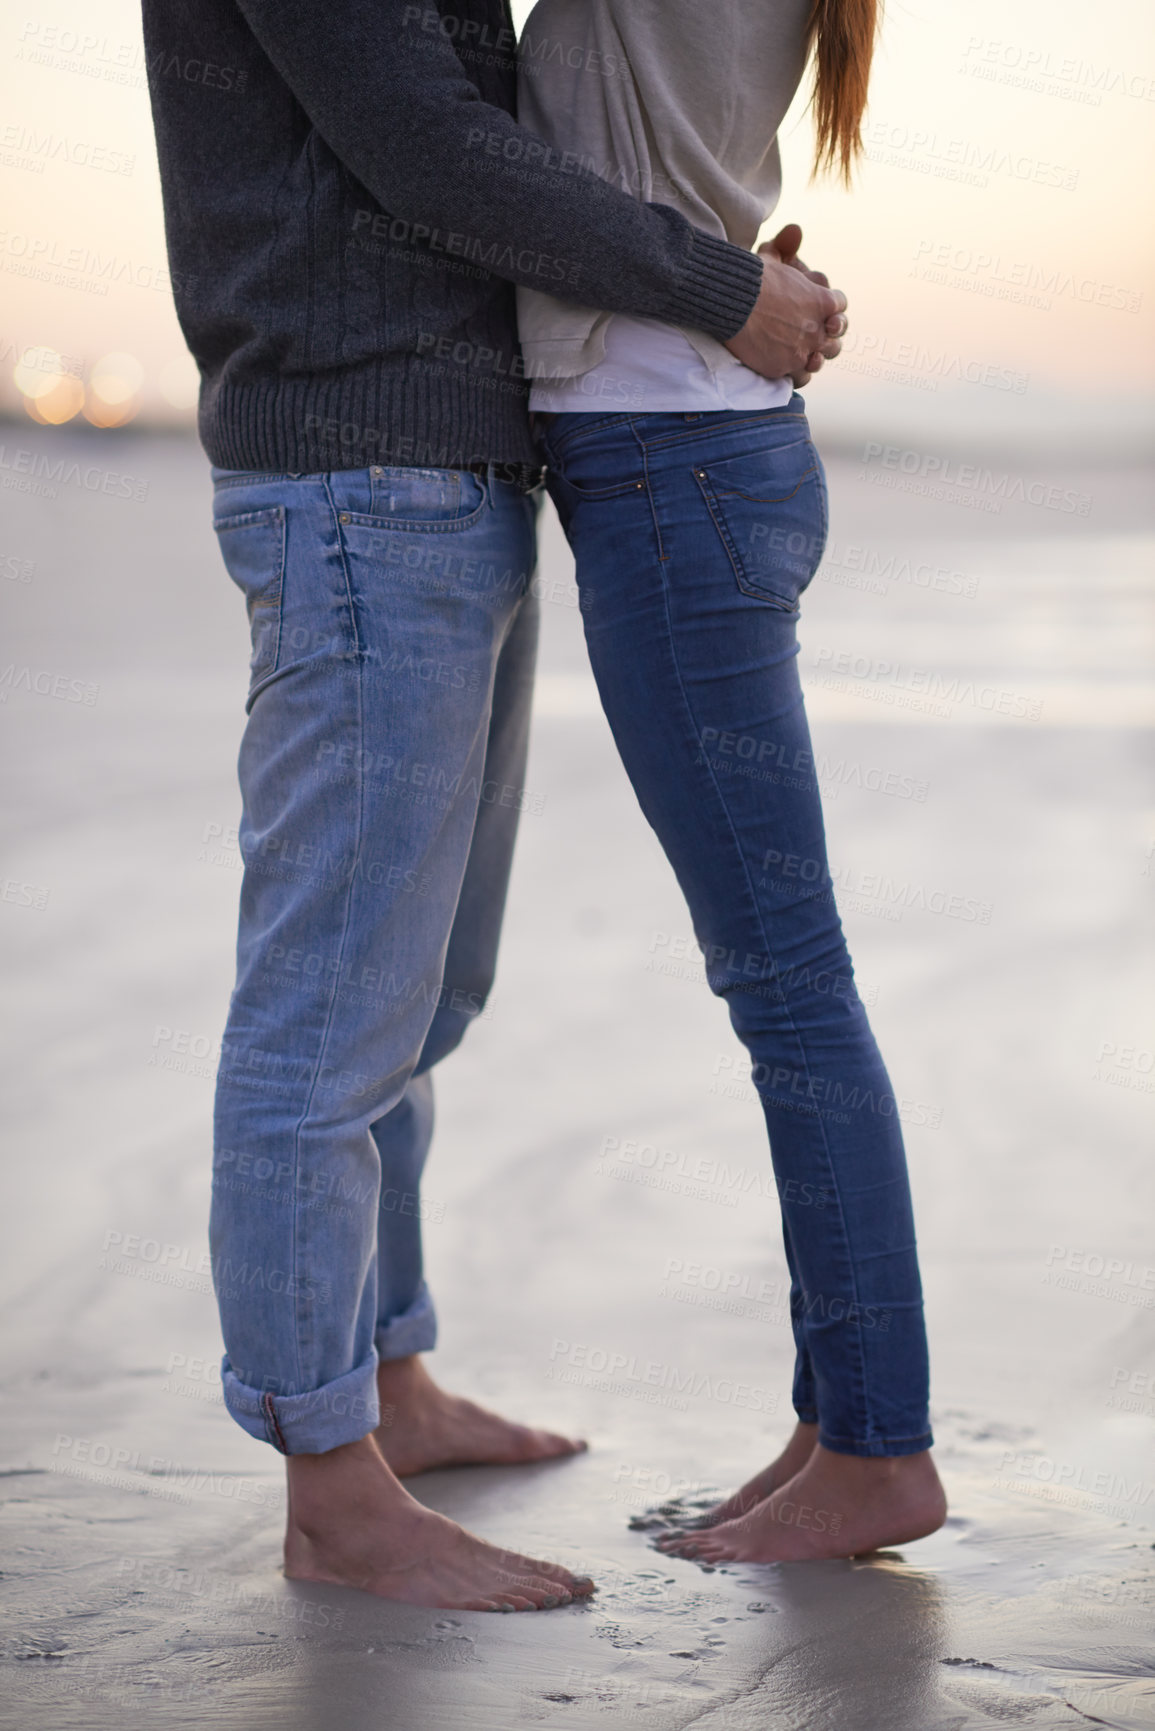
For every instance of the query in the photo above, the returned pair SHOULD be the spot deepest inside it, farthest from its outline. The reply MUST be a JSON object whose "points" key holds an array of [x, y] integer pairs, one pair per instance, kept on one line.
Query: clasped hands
{"points": [[798, 320]]}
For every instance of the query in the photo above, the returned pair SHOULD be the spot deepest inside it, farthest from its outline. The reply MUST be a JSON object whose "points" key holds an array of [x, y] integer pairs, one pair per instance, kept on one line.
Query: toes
{"points": [[561, 1579], [507, 1600], [520, 1443], [545, 1443], [724, 1545], [681, 1545], [544, 1590], [698, 1549], [549, 1593]]}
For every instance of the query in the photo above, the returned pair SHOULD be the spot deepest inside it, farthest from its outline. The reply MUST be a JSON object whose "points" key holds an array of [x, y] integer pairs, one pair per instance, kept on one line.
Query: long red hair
{"points": [[840, 36]]}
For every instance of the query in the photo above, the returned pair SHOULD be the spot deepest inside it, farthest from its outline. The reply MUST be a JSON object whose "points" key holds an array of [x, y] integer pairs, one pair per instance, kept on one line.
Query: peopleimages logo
{"points": [[648, 1377], [996, 486], [1022, 281], [923, 149], [922, 688], [1029, 67]]}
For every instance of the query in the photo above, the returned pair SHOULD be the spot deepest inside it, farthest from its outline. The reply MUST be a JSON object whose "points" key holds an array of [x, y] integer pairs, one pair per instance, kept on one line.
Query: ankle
{"points": [[879, 1467], [399, 1377], [351, 1474]]}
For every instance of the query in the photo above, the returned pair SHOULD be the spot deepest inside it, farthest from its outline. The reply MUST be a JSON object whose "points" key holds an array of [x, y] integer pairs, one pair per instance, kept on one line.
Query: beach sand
{"points": [[602, 1231]]}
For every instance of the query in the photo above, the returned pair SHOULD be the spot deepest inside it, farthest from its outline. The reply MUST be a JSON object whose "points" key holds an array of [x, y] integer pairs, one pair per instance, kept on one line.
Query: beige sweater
{"points": [[676, 101]]}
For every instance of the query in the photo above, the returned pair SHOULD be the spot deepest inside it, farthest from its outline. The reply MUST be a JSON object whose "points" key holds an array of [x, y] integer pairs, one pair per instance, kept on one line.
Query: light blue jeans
{"points": [[382, 770]]}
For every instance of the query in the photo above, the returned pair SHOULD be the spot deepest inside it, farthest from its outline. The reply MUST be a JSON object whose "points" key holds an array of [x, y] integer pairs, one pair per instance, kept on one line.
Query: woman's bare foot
{"points": [[792, 1459], [835, 1506], [422, 1427], [352, 1525]]}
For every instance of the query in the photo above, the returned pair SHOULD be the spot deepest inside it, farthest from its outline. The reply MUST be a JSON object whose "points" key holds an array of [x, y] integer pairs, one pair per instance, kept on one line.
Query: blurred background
{"points": [[977, 655], [996, 246]]}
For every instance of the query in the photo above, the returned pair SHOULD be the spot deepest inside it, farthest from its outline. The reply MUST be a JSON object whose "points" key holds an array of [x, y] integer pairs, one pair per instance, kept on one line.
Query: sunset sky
{"points": [[997, 245]]}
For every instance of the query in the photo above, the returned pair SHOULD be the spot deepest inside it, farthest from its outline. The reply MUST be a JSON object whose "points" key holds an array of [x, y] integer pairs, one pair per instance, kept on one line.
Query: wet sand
{"points": [[602, 1233]]}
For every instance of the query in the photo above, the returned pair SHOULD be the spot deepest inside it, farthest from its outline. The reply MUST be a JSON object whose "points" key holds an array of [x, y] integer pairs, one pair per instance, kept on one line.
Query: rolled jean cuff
{"points": [[413, 1330], [877, 1447], [342, 1411]]}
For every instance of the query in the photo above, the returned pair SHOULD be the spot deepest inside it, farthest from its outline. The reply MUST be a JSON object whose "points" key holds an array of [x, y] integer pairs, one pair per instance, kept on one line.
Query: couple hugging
{"points": [[380, 408]]}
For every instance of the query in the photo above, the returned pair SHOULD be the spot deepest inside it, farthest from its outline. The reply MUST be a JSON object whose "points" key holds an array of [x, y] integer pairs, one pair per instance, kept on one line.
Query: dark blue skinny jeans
{"points": [[694, 536]]}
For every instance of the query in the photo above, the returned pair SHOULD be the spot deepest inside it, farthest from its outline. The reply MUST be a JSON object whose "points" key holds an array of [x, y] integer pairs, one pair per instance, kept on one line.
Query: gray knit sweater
{"points": [[348, 201], [677, 102]]}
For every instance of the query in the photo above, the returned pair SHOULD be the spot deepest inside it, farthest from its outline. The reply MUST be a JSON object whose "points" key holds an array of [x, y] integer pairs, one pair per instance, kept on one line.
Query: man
{"points": [[349, 203]]}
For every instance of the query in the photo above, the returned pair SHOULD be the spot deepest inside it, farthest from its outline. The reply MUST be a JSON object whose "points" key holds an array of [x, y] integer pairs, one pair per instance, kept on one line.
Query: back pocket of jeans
{"points": [[769, 507], [253, 547]]}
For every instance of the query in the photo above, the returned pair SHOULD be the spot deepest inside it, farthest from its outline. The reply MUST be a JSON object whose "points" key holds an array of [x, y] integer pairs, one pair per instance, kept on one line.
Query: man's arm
{"points": [[393, 102]]}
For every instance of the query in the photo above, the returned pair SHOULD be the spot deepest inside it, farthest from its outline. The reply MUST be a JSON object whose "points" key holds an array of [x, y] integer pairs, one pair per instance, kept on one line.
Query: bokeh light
{"points": [[101, 414], [58, 404], [51, 393], [180, 382], [114, 383], [116, 378], [38, 371]]}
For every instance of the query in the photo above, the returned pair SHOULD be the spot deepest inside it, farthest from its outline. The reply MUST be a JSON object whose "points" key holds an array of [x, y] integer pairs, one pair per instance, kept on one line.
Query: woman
{"points": [[695, 505]]}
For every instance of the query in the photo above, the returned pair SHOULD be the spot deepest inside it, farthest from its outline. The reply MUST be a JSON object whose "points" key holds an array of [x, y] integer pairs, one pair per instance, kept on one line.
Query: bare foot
{"points": [[352, 1525], [792, 1459], [835, 1506], [422, 1427]]}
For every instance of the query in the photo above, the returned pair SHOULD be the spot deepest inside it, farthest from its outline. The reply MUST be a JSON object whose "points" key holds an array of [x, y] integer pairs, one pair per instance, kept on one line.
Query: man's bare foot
{"points": [[792, 1459], [835, 1506], [422, 1427], [352, 1525]]}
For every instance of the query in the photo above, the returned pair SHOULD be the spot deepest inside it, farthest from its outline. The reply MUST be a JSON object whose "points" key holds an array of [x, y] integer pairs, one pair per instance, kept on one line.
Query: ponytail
{"points": [[840, 35]]}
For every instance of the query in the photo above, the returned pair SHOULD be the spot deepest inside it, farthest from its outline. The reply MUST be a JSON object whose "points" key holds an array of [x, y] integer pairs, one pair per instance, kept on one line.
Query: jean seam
{"points": [[671, 439], [768, 950], [299, 1233], [915, 1436], [423, 525], [273, 593], [560, 440], [662, 555], [803, 1366], [272, 1424], [581, 433], [254, 477], [830, 1439]]}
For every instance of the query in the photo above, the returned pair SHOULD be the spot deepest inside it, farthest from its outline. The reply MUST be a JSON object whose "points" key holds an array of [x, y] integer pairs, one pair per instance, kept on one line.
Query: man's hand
{"points": [[798, 319], [785, 246]]}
